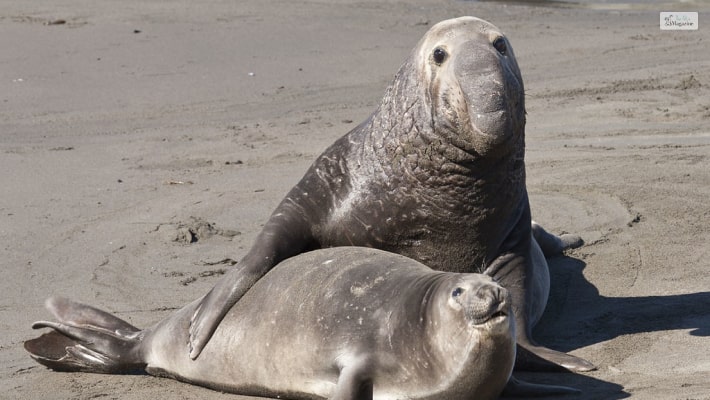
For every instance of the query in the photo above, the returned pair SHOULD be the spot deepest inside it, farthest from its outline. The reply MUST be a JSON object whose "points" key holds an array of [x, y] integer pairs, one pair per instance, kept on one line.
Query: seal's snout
{"points": [[482, 301], [490, 84], [491, 302]]}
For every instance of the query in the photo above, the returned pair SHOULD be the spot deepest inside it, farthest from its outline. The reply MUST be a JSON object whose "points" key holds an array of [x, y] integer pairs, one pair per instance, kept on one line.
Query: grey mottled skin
{"points": [[342, 323], [436, 173]]}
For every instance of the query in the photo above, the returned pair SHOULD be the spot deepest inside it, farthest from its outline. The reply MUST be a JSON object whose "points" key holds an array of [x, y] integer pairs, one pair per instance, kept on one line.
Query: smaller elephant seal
{"points": [[340, 323]]}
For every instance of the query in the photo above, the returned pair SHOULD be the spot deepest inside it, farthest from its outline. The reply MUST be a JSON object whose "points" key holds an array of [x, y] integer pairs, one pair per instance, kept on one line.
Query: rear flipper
{"points": [[551, 244], [86, 339]]}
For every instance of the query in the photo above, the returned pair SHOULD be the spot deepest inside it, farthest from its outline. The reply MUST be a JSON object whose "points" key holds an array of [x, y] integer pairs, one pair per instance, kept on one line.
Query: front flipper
{"points": [[551, 244], [518, 388], [285, 234], [354, 383], [538, 358], [527, 280], [215, 305]]}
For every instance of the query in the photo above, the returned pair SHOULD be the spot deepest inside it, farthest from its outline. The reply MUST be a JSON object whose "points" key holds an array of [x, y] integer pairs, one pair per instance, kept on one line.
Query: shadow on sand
{"points": [[578, 316]]}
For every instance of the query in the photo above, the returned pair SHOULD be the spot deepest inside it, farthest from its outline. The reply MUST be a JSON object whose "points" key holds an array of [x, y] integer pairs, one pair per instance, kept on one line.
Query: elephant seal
{"points": [[340, 323], [436, 173]]}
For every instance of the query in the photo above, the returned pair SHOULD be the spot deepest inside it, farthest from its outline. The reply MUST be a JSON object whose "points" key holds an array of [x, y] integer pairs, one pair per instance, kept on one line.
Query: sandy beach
{"points": [[144, 144]]}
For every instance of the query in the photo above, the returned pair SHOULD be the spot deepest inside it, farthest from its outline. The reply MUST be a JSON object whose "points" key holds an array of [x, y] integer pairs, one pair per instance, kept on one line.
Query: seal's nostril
{"points": [[492, 295], [499, 293]]}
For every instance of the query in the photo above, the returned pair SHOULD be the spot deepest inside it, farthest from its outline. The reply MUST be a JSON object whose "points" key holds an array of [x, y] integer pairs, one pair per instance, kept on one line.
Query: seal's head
{"points": [[472, 86], [472, 307], [474, 326]]}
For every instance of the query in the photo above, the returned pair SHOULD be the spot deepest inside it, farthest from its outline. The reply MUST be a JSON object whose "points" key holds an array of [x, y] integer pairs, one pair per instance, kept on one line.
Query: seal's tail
{"points": [[86, 339]]}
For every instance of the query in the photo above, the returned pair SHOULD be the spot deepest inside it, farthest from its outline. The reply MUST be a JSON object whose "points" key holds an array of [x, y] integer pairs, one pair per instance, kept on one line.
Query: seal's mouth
{"points": [[497, 315]]}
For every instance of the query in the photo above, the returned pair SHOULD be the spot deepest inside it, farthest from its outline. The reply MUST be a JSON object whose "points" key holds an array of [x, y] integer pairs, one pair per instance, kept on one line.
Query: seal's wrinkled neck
{"points": [[448, 140], [410, 138], [404, 137]]}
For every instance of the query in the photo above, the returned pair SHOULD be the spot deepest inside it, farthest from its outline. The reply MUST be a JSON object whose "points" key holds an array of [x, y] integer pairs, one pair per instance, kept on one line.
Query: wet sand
{"points": [[144, 144]]}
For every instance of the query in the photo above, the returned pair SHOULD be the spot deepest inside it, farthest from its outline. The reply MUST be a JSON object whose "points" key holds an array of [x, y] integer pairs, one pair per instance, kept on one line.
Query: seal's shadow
{"points": [[578, 316]]}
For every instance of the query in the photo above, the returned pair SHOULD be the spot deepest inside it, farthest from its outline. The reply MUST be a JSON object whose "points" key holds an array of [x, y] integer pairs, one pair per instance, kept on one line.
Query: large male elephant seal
{"points": [[342, 323], [436, 173]]}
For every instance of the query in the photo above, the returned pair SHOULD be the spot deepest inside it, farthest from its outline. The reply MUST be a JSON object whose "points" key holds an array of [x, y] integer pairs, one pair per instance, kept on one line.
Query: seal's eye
{"points": [[439, 55], [500, 45], [457, 292]]}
